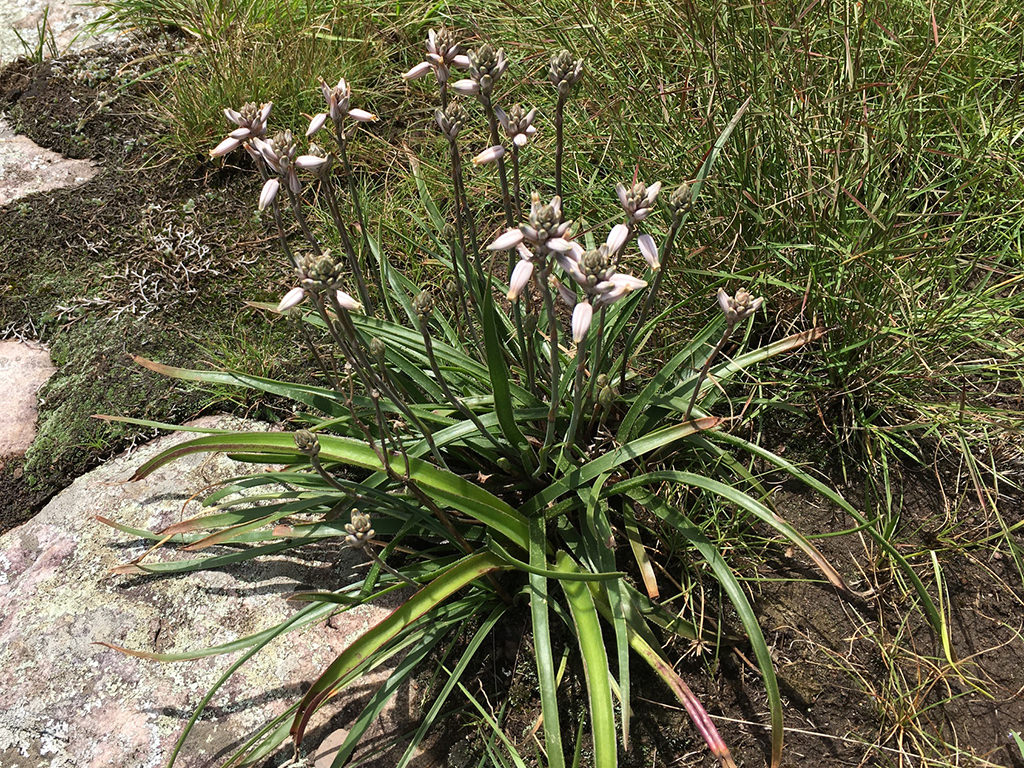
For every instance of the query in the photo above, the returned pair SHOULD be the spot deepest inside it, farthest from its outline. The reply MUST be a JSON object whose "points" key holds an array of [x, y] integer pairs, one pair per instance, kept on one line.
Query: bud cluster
{"points": [[739, 307], [319, 273], [637, 200], [486, 66], [423, 303], [358, 530], [451, 119], [307, 442], [517, 124], [564, 72], [680, 198]]}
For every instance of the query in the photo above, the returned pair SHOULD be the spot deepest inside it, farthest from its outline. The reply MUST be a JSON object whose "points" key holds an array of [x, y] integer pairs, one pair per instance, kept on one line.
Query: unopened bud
{"points": [[307, 442], [423, 304], [680, 198]]}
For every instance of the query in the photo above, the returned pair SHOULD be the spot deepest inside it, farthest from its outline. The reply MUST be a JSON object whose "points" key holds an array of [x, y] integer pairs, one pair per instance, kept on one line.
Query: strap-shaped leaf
{"points": [[542, 644], [595, 665], [724, 575], [432, 595], [614, 458], [444, 487]]}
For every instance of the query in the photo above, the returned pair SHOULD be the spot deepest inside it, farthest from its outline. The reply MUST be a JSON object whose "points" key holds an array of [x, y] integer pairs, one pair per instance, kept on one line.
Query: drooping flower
{"points": [[252, 124], [489, 155], [649, 250], [443, 53]]}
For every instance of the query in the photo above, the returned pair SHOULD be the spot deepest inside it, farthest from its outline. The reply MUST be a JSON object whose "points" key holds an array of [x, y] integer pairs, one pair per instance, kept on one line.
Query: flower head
{"points": [[637, 200], [451, 119], [252, 124], [443, 53], [338, 99], [517, 124], [564, 72], [738, 307], [486, 66], [358, 529]]}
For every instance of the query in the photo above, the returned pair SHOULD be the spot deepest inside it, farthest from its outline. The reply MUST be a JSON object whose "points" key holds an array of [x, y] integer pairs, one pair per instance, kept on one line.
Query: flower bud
{"points": [[377, 348], [307, 442], [564, 72], [739, 307], [681, 198], [423, 304], [358, 530]]}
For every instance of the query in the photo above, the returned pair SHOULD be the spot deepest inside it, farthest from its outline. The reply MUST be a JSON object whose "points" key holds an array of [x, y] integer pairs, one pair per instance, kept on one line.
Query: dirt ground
{"points": [[159, 261]]}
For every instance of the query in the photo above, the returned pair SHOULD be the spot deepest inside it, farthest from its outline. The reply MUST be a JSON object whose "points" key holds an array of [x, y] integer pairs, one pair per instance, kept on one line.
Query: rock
{"points": [[24, 368], [64, 31], [69, 702], [26, 168]]}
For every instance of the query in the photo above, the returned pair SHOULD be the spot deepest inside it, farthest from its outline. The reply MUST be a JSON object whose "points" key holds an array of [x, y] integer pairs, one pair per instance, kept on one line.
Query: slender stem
{"points": [[729, 327], [516, 191], [275, 206], [394, 572], [354, 194], [303, 224], [549, 308], [577, 399], [382, 384], [598, 351], [455, 401], [559, 143], [492, 122], [471, 280], [645, 310], [350, 254]]}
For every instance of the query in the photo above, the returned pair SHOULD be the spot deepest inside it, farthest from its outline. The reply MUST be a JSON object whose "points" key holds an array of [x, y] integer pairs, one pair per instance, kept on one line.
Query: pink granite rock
{"points": [[24, 368], [67, 701]]}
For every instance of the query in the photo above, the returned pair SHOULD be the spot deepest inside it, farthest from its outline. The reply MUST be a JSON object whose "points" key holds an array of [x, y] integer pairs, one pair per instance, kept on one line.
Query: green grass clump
{"points": [[874, 184]]}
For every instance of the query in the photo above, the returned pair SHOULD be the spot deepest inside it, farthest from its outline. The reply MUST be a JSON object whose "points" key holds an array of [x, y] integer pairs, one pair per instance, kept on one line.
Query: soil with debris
{"points": [[159, 262]]}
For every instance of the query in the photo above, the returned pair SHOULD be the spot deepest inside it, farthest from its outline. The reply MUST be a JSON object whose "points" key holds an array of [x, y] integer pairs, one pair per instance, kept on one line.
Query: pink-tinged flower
{"points": [[228, 145], [293, 298], [582, 315], [564, 292], [509, 239], [617, 238], [596, 272], [466, 87], [489, 155], [310, 162], [316, 123], [269, 192], [649, 251], [337, 98], [362, 116], [442, 54], [520, 278], [739, 307], [420, 70], [347, 303], [252, 124]]}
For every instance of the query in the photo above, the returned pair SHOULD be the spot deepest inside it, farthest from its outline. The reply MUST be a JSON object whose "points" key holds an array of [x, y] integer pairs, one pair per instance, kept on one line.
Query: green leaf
{"points": [[614, 458], [428, 598], [683, 525], [542, 644], [595, 665], [444, 486], [499, 377]]}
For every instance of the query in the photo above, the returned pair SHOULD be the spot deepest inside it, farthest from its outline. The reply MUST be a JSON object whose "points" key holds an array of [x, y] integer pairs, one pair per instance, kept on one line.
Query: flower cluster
{"points": [[318, 274], [443, 53]]}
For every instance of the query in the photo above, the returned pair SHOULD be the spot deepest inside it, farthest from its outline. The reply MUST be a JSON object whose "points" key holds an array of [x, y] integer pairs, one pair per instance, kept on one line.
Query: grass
{"points": [[875, 186]]}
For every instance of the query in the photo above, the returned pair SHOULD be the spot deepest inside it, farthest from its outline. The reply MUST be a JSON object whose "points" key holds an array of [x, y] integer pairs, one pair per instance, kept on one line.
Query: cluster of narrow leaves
{"points": [[477, 455]]}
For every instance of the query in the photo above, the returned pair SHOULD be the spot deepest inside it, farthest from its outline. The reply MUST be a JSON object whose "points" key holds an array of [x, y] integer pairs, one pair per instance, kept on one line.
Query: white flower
{"points": [[293, 298], [581, 318], [489, 155]]}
